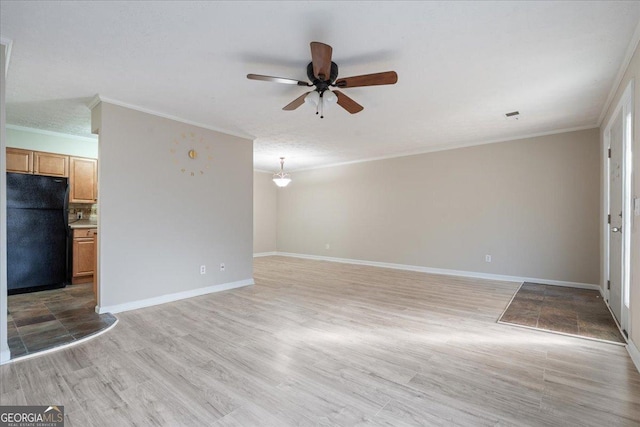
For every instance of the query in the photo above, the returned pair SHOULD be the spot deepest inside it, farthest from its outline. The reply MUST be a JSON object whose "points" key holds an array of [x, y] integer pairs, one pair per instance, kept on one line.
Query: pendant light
{"points": [[280, 178]]}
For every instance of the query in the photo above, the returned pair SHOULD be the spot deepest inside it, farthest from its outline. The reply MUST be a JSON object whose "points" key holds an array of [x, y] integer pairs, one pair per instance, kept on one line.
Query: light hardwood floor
{"points": [[317, 343]]}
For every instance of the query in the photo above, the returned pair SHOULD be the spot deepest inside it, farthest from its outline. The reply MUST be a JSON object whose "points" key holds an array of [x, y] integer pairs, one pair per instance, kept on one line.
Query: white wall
{"points": [[632, 72], [51, 142], [264, 212], [532, 204], [158, 224]]}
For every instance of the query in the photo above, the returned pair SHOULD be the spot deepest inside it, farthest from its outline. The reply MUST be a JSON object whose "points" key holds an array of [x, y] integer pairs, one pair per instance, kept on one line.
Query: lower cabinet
{"points": [[83, 255]]}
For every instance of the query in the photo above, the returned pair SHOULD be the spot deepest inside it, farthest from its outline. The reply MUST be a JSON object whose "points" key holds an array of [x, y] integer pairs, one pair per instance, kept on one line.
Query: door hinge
{"points": [[609, 219], [609, 153], [608, 284]]}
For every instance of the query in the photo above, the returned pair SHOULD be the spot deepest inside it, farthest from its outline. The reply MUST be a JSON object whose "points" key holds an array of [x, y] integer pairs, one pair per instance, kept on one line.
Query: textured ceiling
{"points": [[461, 66]]}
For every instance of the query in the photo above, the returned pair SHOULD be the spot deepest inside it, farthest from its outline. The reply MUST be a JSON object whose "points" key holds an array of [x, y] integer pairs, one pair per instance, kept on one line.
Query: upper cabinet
{"points": [[82, 172], [19, 161], [37, 162], [50, 164], [83, 180]]}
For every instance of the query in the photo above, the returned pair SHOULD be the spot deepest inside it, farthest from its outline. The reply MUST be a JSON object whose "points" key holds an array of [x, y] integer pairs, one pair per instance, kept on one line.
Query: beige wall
{"points": [[632, 72], [52, 143], [158, 224], [264, 213], [532, 204]]}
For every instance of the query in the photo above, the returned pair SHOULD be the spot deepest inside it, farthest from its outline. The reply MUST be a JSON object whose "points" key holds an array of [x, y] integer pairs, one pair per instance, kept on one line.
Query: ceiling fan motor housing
{"points": [[321, 85]]}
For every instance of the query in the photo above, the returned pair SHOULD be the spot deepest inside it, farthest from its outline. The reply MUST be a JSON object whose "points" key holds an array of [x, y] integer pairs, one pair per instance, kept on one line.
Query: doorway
{"points": [[618, 142]]}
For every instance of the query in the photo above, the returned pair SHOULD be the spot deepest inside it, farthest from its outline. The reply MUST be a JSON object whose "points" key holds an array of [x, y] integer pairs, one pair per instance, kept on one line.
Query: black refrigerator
{"points": [[37, 232]]}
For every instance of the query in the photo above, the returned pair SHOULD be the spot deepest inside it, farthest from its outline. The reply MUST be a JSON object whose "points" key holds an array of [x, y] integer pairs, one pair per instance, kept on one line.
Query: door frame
{"points": [[5, 52], [625, 106]]}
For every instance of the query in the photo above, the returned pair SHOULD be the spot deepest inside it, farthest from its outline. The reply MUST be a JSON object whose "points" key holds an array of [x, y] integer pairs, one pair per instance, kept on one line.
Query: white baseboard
{"points": [[5, 356], [634, 353], [163, 299], [446, 272], [260, 254]]}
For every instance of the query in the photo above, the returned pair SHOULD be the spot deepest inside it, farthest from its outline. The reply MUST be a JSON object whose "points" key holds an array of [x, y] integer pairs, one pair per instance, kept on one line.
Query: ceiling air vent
{"points": [[514, 115]]}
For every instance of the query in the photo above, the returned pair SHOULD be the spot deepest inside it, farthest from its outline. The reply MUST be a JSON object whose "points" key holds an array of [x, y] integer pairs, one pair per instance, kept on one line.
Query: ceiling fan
{"points": [[323, 74]]}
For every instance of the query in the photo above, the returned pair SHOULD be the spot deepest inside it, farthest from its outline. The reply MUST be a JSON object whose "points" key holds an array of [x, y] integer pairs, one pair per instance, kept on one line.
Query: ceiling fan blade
{"points": [[321, 58], [347, 103], [386, 78], [277, 80], [296, 102]]}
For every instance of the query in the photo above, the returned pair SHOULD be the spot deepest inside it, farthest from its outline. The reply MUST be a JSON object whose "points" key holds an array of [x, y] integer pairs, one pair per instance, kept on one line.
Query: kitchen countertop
{"points": [[83, 223]]}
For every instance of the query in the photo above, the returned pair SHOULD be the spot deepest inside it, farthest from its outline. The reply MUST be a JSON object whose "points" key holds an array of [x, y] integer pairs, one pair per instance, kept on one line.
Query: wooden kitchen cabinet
{"points": [[50, 164], [83, 255], [19, 161], [37, 162], [83, 180], [82, 172]]}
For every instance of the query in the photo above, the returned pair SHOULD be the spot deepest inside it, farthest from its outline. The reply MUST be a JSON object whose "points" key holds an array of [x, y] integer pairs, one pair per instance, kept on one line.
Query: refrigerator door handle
{"points": [[65, 210]]}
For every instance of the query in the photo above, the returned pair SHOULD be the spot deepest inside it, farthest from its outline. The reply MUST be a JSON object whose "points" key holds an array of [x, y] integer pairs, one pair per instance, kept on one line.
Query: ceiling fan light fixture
{"points": [[312, 99], [281, 179], [329, 98]]}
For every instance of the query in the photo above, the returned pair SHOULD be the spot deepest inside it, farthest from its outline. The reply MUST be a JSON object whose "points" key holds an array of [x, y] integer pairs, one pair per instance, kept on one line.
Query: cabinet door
{"points": [[19, 161], [83, 257], [83, 180], [50, 164]]}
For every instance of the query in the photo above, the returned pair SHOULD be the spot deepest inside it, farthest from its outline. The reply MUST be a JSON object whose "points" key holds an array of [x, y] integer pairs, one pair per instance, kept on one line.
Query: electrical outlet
{"points": [[327, 246], [79, 215], [222, 267], [487, 258], [203, 269]]}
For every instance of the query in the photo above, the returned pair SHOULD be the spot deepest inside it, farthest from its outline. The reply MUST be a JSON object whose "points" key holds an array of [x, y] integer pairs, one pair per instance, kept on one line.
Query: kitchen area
{"points": [[52, 251]]}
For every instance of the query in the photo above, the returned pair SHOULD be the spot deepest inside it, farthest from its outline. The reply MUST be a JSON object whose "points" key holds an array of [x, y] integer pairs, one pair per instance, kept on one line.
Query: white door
{"points": [[616, 181], [619, 135]]}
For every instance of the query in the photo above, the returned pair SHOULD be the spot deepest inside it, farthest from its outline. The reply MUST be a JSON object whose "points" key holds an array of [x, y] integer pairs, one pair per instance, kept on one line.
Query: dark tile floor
{"points": [[42, 320], [561, 309]]}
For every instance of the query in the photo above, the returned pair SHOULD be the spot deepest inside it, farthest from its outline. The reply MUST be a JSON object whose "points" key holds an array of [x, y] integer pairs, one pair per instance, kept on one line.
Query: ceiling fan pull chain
{"points": [[321, 106]]}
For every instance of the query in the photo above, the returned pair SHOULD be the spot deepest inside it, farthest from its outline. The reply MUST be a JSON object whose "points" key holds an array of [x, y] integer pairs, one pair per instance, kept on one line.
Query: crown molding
{"points": [[98, 99], [52, 133], [449, 147], [94, 101], [633, 44]]}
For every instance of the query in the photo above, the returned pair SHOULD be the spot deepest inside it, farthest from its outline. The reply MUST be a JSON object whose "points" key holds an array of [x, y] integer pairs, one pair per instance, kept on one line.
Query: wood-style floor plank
{"points": [[316, 343]]}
